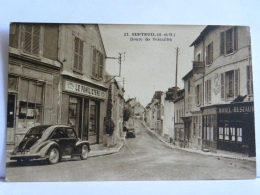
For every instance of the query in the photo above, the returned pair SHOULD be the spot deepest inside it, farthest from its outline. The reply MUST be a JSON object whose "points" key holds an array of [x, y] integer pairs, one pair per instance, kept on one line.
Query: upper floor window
{"points": [[198, 57], [228, 41], [31, 39], [78, 54], [198, 93], [188, 86], [209, 54], [208, 91], [97, 64], [230, 84], [249, 80]]}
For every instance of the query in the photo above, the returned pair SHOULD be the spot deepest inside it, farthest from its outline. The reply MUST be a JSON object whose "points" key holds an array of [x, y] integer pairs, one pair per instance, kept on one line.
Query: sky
{"points": [[150, 59]]}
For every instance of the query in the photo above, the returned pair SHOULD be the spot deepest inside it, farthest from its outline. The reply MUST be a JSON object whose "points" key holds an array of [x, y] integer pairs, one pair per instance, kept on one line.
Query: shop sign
{"points": [[84, 90], [235, 109]]}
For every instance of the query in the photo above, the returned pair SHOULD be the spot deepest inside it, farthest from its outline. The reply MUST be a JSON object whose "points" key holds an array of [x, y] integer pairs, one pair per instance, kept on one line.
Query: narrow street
{"points": [[142, 158]]}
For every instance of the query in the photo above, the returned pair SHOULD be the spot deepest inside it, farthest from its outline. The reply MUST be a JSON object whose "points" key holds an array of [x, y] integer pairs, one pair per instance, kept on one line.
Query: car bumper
{"points": [[27, 156]]}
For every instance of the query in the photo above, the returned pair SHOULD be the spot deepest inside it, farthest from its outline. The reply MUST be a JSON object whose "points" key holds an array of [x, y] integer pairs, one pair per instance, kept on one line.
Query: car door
{"points": [[71, 140]]}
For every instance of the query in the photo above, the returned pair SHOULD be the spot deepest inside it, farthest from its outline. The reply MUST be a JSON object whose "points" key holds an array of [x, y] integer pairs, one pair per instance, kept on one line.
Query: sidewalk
{"points": [[96, 150], [220, 153]]}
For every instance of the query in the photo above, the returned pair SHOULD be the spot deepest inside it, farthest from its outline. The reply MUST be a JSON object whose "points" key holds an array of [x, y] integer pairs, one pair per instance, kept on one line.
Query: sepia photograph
{"points": [[129, 102]]}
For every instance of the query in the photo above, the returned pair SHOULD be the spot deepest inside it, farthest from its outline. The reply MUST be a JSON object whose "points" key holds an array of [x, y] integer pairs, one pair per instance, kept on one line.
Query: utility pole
{"points": [[176, 72]]}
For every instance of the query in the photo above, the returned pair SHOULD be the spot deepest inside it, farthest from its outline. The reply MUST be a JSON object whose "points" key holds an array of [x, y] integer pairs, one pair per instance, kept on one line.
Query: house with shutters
{"points": [[56, 76], [219, 103]]}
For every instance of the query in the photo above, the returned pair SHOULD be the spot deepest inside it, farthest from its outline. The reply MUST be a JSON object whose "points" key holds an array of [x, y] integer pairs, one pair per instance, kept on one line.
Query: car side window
{"points": [[71, 133], [59, 133]]}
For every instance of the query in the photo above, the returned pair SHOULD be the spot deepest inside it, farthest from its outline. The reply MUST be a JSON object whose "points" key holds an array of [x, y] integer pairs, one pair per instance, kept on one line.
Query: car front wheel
{"points": [[54, 156], [84, 152]]}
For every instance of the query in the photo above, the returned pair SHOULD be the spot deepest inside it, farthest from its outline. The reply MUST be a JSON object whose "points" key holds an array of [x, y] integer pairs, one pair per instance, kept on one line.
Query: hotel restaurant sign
{"points": [[84, 90], [232, 109]]}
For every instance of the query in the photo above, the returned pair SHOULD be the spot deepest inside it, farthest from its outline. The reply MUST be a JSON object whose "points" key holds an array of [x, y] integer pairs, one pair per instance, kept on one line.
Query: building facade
{"points": [[33, 79], [223, 90], [56, 76]]}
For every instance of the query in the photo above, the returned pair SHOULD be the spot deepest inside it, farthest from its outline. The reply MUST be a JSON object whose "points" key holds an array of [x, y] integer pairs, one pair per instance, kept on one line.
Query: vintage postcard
{"points": [[111, 102]]}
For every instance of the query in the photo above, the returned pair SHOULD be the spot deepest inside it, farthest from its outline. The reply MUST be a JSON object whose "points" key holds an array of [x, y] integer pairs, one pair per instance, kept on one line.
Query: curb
{"points": [[198, 151], [106, 151]]}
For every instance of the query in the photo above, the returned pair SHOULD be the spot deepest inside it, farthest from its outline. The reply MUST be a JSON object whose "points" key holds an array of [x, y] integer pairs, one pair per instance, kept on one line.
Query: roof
{"points": [[180, 94], [203, 34], [188, 75]]}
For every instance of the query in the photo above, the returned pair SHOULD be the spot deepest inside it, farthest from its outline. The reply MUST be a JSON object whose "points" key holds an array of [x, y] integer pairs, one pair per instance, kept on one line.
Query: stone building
{"points": [[221, 88]]}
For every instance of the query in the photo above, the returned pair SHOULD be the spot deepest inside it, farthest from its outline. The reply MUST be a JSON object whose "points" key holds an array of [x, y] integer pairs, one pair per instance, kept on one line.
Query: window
{"points": [[78, 54], [208, 128], [198, 57], [228, 41], [209, 54], [230, 84], [220, 133], [97, 64], [249, 80], [226, 133], [31, 39], [239, 134], [198, 94], [30, 106], [188, 86], [208, 91]]}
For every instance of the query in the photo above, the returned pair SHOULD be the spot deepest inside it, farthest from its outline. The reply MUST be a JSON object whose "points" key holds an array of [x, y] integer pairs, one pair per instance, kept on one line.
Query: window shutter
{"points": [[81, 46], [36, 40], [93, 61], [27, 38], [235, 38], [97, 65], [222, 43], [207, 55], [101, 61], [76, 51], [236, 82], [211, 52], [206, 91], [201, 94], [222, 86], [209, 91]]}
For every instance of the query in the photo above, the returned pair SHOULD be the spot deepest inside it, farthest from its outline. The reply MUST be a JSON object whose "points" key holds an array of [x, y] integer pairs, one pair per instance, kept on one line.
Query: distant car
{"points": [[50, 142]]}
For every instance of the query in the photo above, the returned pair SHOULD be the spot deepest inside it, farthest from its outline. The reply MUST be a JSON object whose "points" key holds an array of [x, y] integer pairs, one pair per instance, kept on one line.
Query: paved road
{"points": [[141, 158]]}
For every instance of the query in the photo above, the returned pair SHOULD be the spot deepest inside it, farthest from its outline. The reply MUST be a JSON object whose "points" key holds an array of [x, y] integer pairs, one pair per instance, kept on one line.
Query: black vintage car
{"points": [[51, 142]]}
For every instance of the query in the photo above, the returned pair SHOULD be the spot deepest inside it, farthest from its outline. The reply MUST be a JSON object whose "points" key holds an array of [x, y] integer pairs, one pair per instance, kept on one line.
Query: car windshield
{"points": [[37, 131]]}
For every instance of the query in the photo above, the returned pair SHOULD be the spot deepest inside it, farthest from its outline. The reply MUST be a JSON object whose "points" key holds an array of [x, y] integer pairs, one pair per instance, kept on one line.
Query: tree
{"points": [[126, 114], [109, 124]]}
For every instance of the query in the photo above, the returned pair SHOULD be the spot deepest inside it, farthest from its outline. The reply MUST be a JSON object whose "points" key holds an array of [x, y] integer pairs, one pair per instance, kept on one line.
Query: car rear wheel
{"points": [[54, 156], [84, 152]]}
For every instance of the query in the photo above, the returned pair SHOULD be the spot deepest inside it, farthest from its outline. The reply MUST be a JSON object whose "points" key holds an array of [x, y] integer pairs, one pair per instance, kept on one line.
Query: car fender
{"points": [[44, 151], [80, 143]]}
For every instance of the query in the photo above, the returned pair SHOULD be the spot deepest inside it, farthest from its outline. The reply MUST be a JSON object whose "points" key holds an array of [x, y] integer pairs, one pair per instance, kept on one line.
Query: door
{"points": [[93, 125], [85, 119], [11, 102]]}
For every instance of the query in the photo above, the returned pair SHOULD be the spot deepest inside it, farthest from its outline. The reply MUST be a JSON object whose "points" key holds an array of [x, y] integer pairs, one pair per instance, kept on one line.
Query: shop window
{"points": [[30, 106], [97, 64], [74, 113], [230, 84], [239, 134], [226, 133], [220, 133], [228, 41], [31, 39], [78, 54], [249, 80], [233, 133], [209, 54], [208, 133], [93, 119]]}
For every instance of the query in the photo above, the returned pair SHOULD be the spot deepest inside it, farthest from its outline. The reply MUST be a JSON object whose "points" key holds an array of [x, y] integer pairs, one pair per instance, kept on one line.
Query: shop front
{"points": [[236, 130], [83, 109], [31, 97], [229, 127]]}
